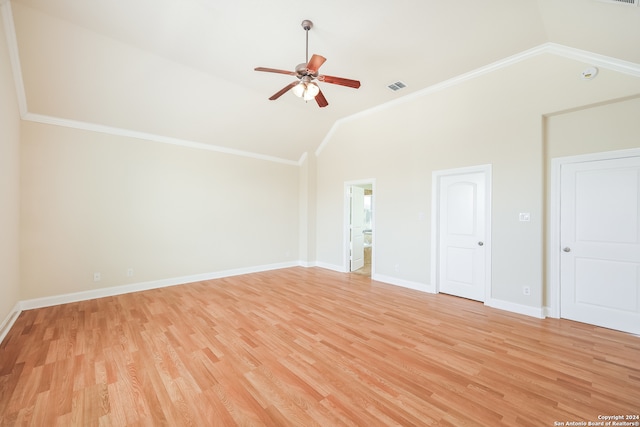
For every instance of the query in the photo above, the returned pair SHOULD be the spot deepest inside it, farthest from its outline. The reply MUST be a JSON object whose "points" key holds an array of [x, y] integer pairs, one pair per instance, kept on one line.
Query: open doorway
{"points": [[359, 227]]}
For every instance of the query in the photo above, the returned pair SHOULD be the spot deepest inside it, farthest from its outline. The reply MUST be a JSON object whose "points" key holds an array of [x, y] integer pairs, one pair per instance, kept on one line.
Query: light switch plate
{"points": [[525, 216]]}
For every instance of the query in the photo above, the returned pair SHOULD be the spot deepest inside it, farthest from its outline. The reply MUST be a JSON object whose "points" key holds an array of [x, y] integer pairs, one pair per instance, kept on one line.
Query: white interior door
{"points": [[462, 212], [357, 224], [600, 243]]}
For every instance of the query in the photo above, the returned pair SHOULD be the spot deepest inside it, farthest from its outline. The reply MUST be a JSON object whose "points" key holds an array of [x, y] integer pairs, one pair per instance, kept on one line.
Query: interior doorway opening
{"points": [[359, 229]]}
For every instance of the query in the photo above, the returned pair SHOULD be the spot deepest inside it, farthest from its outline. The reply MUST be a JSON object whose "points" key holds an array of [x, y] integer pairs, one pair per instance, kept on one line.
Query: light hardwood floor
{"points": [[305, 347]]}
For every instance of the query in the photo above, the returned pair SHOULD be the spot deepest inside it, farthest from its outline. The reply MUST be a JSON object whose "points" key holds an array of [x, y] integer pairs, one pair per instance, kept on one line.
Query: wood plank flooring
{"points": [[308, 347]]}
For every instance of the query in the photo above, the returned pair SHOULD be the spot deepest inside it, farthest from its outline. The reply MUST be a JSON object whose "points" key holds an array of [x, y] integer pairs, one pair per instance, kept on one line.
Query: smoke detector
{"points": [[589, 73]]}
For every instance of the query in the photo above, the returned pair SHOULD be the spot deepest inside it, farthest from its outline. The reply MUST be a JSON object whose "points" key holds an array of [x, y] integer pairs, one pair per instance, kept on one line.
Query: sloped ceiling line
{"points": [[595, 59], [14, 57], [12, 46], [591, 58]]}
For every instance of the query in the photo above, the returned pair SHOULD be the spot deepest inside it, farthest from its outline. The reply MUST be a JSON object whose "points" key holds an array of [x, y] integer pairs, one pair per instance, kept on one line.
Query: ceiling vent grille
{"points": [[397, 86], [627, 2]]}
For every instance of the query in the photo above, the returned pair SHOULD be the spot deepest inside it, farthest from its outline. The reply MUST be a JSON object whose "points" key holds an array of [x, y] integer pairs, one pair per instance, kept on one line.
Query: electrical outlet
{"points": [[526, 290], [96, 277], [397, 268], [129, 272]]}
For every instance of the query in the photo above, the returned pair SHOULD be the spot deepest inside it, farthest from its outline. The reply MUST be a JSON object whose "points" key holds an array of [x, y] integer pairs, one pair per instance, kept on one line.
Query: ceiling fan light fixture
{"points": [[311, 91], [307, 72], [298, 90], [306, 90]]}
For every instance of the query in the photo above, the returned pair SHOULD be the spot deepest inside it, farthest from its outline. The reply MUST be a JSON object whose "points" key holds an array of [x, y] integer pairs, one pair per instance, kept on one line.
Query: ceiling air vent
{"points": [[397, 86], [627, 2]]}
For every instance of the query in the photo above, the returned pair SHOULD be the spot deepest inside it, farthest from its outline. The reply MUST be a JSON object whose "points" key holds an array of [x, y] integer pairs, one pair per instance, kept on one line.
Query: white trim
{"points": [[307, 264], [527, 310], [423, 287], [14, 57], [8, 322], [328, 136], [435, 196], [608, 62], [346, 231], [332, 267], [302, 158], [94, 127], [553, 250], [20, 306], [143, 286]]}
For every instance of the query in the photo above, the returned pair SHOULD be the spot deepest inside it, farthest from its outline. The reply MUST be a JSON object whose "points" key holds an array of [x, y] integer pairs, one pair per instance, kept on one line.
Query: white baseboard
{"points": [[424, 287], [307, 264], [136, 287], [332, 267], [8, 322], [516, 308], [143, 286]]}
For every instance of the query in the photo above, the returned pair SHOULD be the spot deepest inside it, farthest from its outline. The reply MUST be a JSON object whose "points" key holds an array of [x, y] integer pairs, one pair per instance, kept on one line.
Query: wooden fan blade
{"points": [[315, 63], [274, 70], [340, 81], [321, 100], [282, 91]]}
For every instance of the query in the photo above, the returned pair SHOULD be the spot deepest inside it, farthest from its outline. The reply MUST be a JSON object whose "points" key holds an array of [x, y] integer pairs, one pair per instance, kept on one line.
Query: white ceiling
{"points": [[183, 69]]}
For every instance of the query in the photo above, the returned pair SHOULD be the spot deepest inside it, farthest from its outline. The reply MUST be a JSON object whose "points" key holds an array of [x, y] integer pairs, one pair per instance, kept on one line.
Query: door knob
{"points": [[480, 243], [566, 249]]}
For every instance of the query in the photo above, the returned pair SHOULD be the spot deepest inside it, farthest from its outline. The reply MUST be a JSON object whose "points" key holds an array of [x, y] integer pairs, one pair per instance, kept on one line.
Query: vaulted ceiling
{"points": [[183, 70]]}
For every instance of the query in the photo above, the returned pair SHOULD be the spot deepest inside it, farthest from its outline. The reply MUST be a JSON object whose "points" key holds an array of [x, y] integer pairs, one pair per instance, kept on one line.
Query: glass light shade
{"points": [[311, 91], [306, 90], [298, 90]]}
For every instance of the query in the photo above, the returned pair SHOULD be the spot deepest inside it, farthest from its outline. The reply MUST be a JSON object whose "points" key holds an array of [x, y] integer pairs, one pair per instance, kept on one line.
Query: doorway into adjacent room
{"points": [[359, 227]]}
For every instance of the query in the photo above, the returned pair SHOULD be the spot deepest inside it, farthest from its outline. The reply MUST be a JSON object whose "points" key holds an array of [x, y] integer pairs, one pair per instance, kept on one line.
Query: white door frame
{"points": [[553, 249], [435, 224], [346, 235]]}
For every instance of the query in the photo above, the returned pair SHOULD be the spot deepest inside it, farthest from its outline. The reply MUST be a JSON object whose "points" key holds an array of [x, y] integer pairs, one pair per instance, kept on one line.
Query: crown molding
{"points": [[14, 58], [602, 61], [302, 158], [110, 130], [606, 62]]}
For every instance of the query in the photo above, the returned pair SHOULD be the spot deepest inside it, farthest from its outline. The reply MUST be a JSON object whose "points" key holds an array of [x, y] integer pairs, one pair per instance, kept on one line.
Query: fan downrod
{"points": [[307, 25]]}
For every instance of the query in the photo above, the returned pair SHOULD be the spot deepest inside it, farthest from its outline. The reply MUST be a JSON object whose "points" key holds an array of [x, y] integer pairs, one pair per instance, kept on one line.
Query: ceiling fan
{"points": [[307, 73]]}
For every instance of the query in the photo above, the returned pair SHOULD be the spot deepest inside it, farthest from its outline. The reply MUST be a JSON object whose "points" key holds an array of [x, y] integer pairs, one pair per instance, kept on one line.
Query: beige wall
{"points": [[307, 196], [93, 202], [610, 126], [492, 119], [9, 185]]}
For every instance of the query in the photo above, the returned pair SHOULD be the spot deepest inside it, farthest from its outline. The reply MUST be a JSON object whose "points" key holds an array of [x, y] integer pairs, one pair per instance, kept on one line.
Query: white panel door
{"points": [[357, 228], [462, 214], [600, 243]]}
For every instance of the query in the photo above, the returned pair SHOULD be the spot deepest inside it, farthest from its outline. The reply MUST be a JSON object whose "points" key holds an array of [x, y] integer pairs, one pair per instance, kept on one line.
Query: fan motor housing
{"points": [[302, 70]]}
